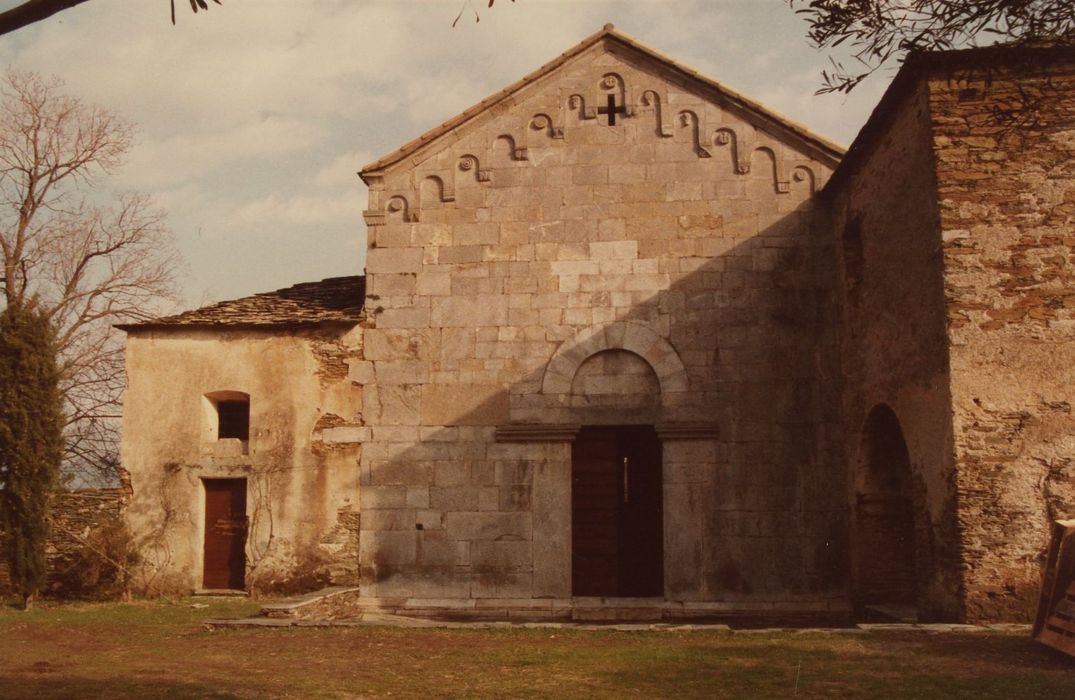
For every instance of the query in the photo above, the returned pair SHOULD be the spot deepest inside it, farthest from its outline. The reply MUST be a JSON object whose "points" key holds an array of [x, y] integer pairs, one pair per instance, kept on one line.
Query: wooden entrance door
{"points": [[225, 534], [616, 512]]}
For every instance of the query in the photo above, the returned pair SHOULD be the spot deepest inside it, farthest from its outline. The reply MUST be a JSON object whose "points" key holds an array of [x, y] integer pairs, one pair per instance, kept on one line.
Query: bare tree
{"points": [[876, 32], [88, 260]]}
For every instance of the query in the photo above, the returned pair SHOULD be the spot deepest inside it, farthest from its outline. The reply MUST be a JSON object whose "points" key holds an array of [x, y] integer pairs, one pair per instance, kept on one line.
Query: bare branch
{"points": [[33, 11], [87, 264]]}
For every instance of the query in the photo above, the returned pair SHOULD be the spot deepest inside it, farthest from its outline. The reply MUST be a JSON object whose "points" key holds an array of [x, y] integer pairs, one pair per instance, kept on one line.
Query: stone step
{"points": [[898, 614], [220, 593], [332, 603]]}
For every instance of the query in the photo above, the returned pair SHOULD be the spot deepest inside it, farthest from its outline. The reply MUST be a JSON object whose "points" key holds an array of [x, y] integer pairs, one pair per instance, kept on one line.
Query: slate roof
{"points": [[827, 150], [336, 300]]}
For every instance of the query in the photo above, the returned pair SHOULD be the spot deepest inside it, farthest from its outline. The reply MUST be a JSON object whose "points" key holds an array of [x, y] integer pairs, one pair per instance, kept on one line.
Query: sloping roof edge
{"points": [[275, 326], [830, 148], [331, 302]]}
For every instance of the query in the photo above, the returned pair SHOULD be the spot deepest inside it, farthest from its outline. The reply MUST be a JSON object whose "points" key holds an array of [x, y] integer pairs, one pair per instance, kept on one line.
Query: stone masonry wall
{"points": [[893, 339], [1004, 139], [539, 235], [75, 516]]}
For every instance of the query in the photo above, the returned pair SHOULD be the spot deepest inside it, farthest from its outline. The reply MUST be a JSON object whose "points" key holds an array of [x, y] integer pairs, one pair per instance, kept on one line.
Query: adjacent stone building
{"points": [[630, 343]]}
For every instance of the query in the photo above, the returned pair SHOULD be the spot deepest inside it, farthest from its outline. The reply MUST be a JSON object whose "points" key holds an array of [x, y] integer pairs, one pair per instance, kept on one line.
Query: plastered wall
{"points": [[300, 462]]}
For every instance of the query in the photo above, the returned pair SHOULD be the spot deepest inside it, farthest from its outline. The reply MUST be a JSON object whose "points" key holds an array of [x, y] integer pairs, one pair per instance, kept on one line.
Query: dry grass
{"points": [[154, 649]]}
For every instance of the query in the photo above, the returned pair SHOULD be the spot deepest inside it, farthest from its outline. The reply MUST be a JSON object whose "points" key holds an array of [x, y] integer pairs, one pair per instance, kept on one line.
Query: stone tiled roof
{"points": [[827, 150], [330, 301]]}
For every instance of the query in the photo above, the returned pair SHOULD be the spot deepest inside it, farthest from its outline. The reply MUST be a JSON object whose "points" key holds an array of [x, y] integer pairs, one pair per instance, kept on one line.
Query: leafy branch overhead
{"points": [[477, 17], [877, 32], [195, 5]]}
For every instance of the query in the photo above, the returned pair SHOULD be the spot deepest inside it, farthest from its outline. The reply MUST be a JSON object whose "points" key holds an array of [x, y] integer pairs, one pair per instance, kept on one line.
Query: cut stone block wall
{"points": [[534, 267], [685, 237]]}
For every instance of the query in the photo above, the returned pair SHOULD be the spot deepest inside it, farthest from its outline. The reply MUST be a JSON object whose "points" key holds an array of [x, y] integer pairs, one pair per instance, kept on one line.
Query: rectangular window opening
{"points": [[234, 420]]}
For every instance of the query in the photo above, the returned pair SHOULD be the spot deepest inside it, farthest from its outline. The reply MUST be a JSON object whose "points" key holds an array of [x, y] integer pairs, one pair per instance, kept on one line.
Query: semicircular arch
{"points": [[634, 337]]}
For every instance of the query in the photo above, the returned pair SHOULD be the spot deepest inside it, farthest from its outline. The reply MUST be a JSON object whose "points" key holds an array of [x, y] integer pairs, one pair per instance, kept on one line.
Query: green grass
{"points": [[160, 650]]}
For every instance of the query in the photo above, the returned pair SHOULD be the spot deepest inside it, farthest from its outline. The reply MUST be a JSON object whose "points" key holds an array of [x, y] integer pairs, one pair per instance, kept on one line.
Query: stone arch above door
{"points": [[621, 335]]}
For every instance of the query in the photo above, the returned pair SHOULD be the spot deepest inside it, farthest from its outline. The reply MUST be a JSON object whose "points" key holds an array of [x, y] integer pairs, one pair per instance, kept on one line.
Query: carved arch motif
{"points": [[615, 84], [468, 162], [651, 99], [374, 214], [516, 144], [621, 335], [729, 136], [443, 181], [400, 203], [543, 122], [768, 163], [578, 102], [803, 173], [689, 119], [781, 182]]}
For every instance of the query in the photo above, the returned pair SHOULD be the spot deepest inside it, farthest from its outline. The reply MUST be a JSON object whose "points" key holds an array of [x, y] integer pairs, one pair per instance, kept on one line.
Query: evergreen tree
{"points": [[31, 442]]}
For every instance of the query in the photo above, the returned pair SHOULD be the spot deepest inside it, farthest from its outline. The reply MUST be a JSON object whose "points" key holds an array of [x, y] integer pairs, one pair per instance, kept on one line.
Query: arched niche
{"points": [[884, 558], [615, 387], [635, 338]]}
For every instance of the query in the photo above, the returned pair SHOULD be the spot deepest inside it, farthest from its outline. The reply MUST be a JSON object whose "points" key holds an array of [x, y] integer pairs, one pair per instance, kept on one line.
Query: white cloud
{"points": [[254, 116], [343, 171], [303, 209], [183, 156]]}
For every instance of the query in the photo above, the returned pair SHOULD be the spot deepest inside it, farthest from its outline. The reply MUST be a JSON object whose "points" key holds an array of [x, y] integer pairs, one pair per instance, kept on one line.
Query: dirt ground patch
{"points": [[160, 650]]}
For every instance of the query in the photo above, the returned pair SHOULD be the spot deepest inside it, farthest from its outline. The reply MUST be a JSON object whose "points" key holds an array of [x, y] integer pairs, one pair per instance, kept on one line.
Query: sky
{"points": [[253, 118]]}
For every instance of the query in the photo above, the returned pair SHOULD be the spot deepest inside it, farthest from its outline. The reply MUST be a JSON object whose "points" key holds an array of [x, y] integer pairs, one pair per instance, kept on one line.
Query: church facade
{"points": [[629, 343]]}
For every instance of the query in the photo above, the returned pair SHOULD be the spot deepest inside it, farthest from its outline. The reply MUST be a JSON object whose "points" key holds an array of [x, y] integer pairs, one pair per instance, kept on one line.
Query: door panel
{"points": [[616, 501], [225, 534], [641, 515]]}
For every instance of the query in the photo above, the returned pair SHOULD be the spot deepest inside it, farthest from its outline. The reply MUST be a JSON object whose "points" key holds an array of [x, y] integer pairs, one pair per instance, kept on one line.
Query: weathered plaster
{"points": [[300, 462]]}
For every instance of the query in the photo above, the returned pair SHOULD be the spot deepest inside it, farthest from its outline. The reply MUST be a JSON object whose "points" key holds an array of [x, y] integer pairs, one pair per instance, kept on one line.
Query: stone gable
{"points": [[518, 252]]}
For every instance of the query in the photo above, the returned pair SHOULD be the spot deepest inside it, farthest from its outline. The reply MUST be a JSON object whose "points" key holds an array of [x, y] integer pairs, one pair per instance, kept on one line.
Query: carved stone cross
{"points": [[612, 110]]}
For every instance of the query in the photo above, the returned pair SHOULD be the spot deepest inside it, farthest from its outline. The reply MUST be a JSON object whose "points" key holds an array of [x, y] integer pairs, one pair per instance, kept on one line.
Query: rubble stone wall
{"points": [[1004, 143], [75, 515]]}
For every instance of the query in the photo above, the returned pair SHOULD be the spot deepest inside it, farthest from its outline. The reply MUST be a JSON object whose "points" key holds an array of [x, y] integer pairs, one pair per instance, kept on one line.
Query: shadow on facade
{"points": [[737, 365]]}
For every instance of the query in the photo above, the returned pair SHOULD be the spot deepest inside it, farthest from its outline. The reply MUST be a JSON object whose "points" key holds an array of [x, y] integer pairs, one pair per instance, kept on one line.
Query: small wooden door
{"points": [[225, 534], [616, 506]]}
